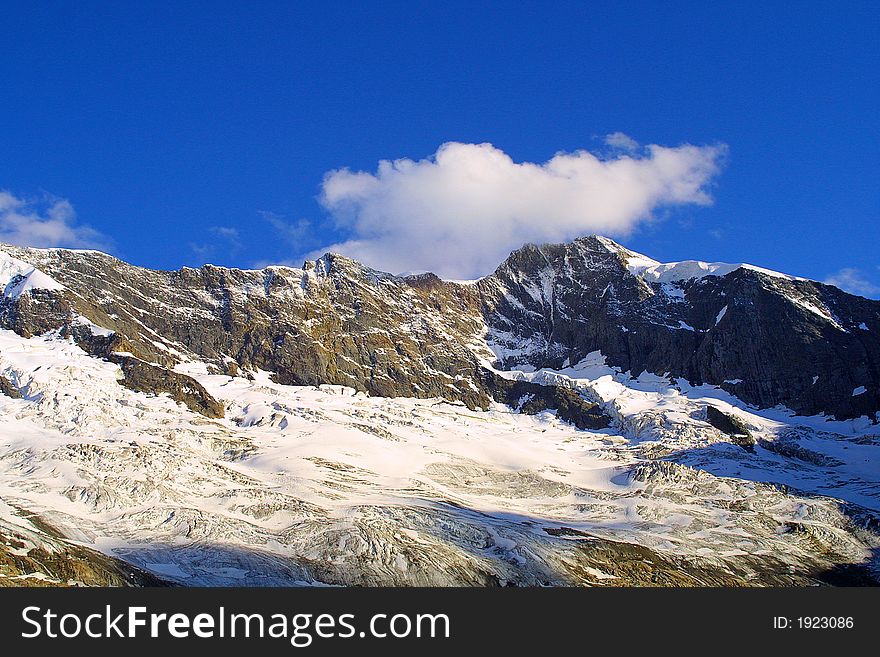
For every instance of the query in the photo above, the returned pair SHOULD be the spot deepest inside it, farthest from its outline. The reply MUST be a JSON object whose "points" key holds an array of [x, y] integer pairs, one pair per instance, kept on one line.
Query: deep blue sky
{"points": [[159, 121]]}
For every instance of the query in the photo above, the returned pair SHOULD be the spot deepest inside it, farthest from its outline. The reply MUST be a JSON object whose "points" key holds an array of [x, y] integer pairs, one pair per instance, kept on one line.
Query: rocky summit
{"points": [[548, 423]]}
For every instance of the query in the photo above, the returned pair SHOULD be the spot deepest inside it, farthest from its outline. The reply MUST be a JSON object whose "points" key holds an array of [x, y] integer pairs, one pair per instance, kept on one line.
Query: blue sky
{"points": [[173, 134]]}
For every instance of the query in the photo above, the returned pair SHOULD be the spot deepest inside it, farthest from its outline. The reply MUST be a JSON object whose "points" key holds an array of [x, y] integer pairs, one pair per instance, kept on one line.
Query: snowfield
{"points": [[320, 485]]}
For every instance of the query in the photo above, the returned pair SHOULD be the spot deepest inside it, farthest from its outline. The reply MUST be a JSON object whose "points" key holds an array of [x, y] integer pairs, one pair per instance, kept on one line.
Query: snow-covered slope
{"points": [[584, 415], [685, 270], [322, 485]]}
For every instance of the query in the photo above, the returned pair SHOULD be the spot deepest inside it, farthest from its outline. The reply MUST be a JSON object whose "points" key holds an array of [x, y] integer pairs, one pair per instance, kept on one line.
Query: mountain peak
{"points": [[544, 306], [600, 242]]}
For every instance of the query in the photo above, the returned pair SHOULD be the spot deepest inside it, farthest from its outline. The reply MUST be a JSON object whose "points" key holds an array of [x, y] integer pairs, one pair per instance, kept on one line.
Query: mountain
{"points": [[765, 337], [336, 321], [583, 409]]}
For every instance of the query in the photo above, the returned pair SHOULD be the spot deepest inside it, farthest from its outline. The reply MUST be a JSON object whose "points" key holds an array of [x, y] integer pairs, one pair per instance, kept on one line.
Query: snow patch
{"points": [[686, 270], [18, 277], [816, 310], [94, 328]]}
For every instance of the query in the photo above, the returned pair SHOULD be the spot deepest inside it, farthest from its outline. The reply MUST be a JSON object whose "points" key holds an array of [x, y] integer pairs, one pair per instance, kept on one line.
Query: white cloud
{"points": [[853, 280], [292, 232], [622, 142], [44, 223], [229, 244], [461, 211], [226, 232]]}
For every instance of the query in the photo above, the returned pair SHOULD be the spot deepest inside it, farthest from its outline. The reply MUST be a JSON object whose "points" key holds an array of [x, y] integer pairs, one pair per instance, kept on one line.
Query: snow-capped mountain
{"points": [[765, 337], [583, 415]]}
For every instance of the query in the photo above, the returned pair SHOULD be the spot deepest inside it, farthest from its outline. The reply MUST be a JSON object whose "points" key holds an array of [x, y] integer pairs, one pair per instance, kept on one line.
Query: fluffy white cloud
{"points": [[43, 223], [292, 232], [621, 141], [461, 211], [853, 281]]}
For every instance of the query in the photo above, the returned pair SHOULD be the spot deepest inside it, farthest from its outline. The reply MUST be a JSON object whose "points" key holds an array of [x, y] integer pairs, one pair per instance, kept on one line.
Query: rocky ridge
{"points": [[767, 338]]}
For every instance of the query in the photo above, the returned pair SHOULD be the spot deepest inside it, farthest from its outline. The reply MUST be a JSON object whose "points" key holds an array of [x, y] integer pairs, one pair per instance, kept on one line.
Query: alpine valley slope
{"points": [[584, 415]]}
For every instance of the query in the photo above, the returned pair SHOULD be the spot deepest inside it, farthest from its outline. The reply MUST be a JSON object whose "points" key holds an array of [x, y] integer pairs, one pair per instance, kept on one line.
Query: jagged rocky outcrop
{"points": [[532, 398], [334, 321], [767, 338], [33, 553], [739, 433], [151, 379], [141, 375], [7, 388]]}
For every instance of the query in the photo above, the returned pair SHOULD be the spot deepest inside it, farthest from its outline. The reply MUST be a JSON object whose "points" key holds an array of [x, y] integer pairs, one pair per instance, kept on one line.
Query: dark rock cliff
{"points": [[767, 339]]}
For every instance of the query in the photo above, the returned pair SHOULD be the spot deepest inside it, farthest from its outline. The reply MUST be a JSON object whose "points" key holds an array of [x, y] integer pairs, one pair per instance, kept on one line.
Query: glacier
{"points": [[323, 485]]}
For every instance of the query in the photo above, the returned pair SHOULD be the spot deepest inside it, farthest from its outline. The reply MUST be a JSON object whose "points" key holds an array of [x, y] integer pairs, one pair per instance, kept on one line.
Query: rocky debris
{"points": [[790, 447], [7, 388], [732, 426], [39, 556], [152, 379], [602, 562]]}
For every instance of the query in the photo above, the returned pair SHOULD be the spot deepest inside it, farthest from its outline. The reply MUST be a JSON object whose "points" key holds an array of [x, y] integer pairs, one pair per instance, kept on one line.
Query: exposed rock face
{"points": [[144, 377], [532, 398], [334, 321], [35, 312], [34, 554], [767, 339], [8, 389]]}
